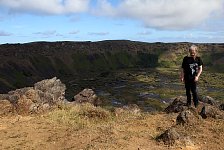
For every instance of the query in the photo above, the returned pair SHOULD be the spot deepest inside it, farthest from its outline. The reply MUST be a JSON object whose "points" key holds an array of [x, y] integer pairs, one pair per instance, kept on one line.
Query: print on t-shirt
{"points": [[194, 68]]}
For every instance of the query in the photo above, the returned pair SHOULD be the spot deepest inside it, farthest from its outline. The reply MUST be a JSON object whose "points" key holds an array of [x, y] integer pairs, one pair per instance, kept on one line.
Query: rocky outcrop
{"points": [[208, 100], [50, 91], [212, 112], [6, 107], [169, 137], [189, 116], [87, 96], [208, 108], [44, 95], [178, 105], [174, 136]]}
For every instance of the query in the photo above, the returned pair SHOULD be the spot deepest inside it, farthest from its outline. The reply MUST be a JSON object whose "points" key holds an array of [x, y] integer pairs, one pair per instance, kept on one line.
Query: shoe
{"points": [[188, 105], [196, 105]]}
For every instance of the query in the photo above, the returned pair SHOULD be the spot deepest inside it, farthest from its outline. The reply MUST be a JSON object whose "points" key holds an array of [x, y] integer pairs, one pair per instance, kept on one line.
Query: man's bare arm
{"points": [[199, 73], [182, 75]]}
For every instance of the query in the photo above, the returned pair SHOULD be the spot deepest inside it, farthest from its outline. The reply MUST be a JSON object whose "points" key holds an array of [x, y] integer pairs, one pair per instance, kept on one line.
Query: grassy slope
{"points": [[87, 127]]}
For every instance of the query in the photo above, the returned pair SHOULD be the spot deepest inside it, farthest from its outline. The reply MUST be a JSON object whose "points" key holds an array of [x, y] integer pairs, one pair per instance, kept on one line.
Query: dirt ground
{"points": [[40, 132]]}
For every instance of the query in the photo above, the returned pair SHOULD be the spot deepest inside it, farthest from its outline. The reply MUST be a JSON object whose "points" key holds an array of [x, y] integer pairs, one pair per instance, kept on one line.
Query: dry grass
{"points": [[88, 127], [80, 116]]}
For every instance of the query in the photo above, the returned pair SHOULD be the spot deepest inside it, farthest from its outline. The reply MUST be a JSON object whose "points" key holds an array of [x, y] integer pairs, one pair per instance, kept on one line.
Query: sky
{"points": [[198, 21]]}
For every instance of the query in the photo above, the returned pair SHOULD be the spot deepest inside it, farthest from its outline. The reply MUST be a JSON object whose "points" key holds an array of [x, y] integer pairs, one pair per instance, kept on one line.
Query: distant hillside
{"points": [[24, 64]]}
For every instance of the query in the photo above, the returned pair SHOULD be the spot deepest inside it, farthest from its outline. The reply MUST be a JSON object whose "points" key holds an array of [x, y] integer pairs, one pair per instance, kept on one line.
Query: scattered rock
{"points": [[169, 137], [178, 105], [212, 112], [221, 107], [188, 116], [202, 113], [87, 96], [208, 100]]}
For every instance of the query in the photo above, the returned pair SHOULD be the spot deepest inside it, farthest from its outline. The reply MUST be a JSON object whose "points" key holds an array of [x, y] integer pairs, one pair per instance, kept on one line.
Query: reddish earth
{"points": [[131, 133]]}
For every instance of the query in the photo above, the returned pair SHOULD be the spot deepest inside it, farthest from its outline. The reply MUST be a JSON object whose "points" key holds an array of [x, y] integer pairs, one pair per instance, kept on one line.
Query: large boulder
{"points": [[44, 95], [87, 96], [189, 116], [50, 91], [178, 105]]}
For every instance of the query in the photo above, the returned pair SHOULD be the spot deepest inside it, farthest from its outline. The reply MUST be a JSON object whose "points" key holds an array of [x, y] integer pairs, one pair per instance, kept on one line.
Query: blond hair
{"points": [[193, 47]]}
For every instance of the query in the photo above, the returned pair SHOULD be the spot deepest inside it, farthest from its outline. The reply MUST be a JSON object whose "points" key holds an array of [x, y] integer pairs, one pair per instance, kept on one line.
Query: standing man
{"points": [[190, 73]]}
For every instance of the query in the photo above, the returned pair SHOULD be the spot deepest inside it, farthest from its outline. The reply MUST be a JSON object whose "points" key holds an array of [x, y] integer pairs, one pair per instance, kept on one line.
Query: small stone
{"points": [[169, 137]]}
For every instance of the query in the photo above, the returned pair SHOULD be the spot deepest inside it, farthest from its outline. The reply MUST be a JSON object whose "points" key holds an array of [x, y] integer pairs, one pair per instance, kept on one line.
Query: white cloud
{"points": [[98, 33], [74, 32], [47, 33], [163, 14], [144, 33], [104, 7], [3, 33], [46, 6]]}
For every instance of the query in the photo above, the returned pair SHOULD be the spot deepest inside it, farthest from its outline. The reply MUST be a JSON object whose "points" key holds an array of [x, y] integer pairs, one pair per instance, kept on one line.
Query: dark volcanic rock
{"points": [[178, 105], [189, 116], [208, 100], [87, 96], [212, 112], [221, 107], [169, 137]]}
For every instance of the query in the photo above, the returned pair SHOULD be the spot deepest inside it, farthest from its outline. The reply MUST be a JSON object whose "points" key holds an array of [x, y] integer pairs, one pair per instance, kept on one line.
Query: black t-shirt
{"points": [[191, 66]]}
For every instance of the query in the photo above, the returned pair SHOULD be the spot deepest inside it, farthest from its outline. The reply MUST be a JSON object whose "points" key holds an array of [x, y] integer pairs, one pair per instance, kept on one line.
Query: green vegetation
{"points": [[107, 61], [42, 64], [154, 103], [62, 68], [19, 78], [147, 60], [167, 59]]}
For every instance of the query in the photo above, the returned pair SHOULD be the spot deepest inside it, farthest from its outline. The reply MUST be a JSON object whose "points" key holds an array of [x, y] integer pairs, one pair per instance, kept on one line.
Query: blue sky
{"points": [[24, 21]]}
